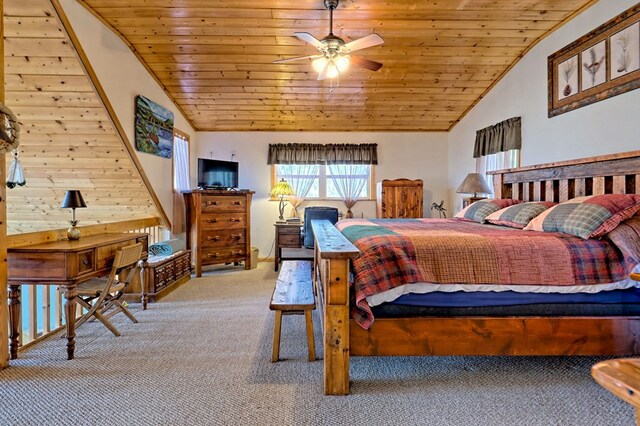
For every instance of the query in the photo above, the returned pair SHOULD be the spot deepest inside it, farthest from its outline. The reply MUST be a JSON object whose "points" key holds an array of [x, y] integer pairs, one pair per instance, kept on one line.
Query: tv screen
{"points": [[217, 173]]}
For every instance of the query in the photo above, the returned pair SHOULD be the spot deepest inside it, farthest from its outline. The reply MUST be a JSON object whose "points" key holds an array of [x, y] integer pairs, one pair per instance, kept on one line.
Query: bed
{"points": [[478, 334]]}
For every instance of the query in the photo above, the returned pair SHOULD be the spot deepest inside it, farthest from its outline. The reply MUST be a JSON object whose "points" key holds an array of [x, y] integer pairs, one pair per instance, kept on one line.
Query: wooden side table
{"points": [[288, 235], [471, 200]]}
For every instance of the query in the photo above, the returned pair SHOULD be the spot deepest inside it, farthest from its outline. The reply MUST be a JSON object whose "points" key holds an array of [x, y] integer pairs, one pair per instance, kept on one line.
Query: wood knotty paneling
{"points": [[215, 58], [69, 140]]}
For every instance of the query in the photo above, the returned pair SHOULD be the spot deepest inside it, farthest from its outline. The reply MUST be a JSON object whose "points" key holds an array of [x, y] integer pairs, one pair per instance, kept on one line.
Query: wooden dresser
{"points": [[218, 227], [399, 198]]}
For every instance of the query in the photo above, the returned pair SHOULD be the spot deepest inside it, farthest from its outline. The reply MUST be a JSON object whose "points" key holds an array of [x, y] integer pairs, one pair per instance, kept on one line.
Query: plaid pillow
{"points": [[587, 217], [519, 215], [478, 211]]}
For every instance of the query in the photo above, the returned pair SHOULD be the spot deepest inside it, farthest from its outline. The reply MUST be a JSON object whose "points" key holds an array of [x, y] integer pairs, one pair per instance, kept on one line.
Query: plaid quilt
{"points": [[449, 251]]}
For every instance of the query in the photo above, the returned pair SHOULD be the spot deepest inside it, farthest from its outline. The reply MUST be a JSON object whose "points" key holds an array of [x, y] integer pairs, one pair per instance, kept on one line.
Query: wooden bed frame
{"points": [[618, 173]]}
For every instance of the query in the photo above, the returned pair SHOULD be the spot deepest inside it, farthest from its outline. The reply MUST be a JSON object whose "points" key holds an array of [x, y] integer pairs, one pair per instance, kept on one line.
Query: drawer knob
{"points": [[212, 220], [235, 219], [216, 238], [85, 261], [236, 203], [214, 255], [236, 236], [212, 203], [237, 252]]}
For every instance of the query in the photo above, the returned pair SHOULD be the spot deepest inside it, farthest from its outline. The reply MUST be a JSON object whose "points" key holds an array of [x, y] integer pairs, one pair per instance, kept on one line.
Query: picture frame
{"points": [[597, 66], [153, 128]]}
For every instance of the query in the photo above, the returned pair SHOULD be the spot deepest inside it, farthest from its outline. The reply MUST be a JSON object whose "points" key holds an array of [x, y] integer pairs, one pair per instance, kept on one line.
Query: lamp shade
{"points": [[73, 200], [474, 183], [282, 189]]}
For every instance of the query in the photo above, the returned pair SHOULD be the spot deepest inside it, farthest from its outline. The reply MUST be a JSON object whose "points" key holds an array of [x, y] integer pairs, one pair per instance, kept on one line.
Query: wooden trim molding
{"points": [[86, 64], [30, 238]]}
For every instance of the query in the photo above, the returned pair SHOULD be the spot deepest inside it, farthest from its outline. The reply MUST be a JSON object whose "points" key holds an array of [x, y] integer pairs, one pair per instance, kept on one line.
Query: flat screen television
{"points": [[217, 173]]}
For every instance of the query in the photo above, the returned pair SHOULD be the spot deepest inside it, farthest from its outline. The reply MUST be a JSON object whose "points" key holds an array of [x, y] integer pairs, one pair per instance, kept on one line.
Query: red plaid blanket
{"points": [[448, 251]]}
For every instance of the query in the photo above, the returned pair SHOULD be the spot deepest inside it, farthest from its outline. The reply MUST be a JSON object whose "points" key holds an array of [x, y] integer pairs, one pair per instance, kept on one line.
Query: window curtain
{"points": [[301, 184], [312, 153], [180, 181], [498, 161], [348, 188], [504, 136]]}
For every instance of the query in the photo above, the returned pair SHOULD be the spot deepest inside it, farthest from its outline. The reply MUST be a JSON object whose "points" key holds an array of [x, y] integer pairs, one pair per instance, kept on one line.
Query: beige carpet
{"points": [[202, 356]]}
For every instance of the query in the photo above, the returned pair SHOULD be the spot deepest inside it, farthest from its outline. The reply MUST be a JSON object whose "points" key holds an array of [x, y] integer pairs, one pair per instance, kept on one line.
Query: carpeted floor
{"points": [[202, 356]]}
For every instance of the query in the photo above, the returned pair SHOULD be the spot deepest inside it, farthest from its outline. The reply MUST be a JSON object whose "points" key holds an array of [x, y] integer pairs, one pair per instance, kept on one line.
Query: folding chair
{"points": [[101, 294]]}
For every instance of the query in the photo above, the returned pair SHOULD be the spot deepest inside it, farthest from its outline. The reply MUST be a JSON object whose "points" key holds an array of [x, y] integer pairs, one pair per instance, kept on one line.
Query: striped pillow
{"points": [[587, 217], [519, 215], [478, 211]]}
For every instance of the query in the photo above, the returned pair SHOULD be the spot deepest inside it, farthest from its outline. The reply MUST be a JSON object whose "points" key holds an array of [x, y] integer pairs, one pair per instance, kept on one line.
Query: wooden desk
{"points": [[288, 235], [62, 263]]}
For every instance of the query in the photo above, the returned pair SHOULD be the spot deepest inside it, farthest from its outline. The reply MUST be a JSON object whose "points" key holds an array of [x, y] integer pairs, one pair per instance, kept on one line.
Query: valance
{"points": [[503, 136], [313, 153]]}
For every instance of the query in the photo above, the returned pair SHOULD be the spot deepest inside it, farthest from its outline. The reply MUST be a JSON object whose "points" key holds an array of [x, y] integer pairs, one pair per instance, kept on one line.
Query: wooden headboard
{"points": [[561, 181]]}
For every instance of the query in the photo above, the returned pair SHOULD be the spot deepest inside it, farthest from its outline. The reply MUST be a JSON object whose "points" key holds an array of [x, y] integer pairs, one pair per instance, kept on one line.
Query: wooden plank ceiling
{"points": [[214, 58], [67, 138]]}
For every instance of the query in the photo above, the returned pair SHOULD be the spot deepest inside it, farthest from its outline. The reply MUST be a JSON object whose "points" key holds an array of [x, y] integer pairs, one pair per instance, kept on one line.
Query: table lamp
{"points": [[73, 200], [281, 190], [474, 183]]}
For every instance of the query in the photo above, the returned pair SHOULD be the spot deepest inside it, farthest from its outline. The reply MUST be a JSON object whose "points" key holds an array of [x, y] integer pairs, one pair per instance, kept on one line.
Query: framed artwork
{"points": [[597, 66], [154, 128]]}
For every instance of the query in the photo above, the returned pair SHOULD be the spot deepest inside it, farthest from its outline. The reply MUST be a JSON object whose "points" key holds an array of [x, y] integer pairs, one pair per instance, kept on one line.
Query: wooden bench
{"points": [[293, 295]]}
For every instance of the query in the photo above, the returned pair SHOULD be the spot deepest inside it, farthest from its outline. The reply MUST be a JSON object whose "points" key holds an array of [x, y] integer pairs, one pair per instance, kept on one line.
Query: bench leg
{"points": [[276, 337], [310, 341]]}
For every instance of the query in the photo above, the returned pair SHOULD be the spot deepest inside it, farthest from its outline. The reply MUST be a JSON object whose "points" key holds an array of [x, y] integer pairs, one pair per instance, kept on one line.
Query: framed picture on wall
{"points": [[597, 66], [154, 128]]}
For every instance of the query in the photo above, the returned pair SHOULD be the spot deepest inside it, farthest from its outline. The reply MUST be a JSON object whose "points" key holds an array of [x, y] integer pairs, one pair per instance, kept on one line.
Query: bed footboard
{"points": [[332, 254]]}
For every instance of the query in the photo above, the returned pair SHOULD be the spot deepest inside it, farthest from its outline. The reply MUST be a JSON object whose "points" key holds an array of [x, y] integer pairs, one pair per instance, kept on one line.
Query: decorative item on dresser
{"points": [[218, 227], [474, 183], [73, 200], [399, 198]]}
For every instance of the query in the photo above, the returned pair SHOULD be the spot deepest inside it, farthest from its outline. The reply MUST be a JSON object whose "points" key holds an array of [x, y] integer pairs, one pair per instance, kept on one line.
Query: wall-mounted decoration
{"points": [[597, 66], [154, 128], [9, 130]]}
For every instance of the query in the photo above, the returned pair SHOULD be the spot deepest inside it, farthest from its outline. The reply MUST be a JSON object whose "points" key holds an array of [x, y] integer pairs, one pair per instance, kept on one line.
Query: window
{"points": [[180, 161], [497, 161], [322, 181]]}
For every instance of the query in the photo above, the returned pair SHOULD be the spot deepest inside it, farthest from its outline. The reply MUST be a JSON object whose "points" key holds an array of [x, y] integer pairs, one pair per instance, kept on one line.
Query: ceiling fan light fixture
{"points": [[319, 64], [332, 70], [342, 63]]}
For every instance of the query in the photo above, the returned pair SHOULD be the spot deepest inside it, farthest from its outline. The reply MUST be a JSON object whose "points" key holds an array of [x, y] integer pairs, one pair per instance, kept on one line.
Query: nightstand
{"points": [[288, 235], [471, 200]]}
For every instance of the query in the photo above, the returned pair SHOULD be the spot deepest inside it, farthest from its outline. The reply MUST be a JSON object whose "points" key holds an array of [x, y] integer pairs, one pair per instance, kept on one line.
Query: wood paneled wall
{"points": [[69, 139]]}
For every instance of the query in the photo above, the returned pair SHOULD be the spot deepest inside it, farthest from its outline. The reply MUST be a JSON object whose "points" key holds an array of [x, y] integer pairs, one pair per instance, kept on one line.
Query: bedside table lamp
{"points": [[474, 183], [73, 200], [281, 190]]}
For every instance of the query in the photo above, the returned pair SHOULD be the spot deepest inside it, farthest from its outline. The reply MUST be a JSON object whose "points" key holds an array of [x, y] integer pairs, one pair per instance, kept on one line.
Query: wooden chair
{"points": [[102, 294]]}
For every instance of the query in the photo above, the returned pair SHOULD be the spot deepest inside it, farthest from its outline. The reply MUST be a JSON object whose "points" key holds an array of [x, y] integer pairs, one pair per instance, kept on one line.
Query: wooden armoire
{"points": [[399, 198]]}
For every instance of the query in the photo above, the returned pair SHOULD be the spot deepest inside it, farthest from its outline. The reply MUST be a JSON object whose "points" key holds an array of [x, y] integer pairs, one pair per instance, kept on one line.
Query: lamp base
{"points": [[73, 233]]}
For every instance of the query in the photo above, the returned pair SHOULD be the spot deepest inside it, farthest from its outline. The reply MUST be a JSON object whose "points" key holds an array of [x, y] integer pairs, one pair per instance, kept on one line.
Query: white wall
{"points": [[400, 154], [608, 126], [123, 77]]}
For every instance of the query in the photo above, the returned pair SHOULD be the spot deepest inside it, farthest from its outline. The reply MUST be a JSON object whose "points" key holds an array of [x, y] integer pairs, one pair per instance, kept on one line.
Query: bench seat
{"points": [[293, 294]]}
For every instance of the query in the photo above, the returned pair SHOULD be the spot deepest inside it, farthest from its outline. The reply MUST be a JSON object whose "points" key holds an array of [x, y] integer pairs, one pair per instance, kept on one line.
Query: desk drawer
{"points": [[212, 204], [85, 261], [223, 221], [223, 238]]}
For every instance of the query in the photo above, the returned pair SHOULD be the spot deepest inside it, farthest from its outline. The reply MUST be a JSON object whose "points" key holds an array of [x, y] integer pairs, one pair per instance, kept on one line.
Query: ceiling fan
{"points": [[335, 55]]}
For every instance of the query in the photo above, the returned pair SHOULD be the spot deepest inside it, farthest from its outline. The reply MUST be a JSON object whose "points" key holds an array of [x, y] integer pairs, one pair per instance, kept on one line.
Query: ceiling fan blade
{"points": [[365, 63], [364, 42], [308, 38], [297, 58]]}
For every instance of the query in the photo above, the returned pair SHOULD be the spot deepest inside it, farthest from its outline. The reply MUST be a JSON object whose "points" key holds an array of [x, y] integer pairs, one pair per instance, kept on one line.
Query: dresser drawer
{"points": [[213, 204], [223, 221], [226, 255], [223, 238], [289, 240]]}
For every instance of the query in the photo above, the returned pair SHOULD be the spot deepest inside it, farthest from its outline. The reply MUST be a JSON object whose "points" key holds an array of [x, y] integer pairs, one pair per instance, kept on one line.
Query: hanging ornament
{"points": [[16, 173], [9, 130]]}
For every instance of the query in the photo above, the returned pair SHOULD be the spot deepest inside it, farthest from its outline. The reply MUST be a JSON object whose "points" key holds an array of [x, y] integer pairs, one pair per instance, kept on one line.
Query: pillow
{"points": [[519, 215], [476, 212], [587, 217], [626, 237]]}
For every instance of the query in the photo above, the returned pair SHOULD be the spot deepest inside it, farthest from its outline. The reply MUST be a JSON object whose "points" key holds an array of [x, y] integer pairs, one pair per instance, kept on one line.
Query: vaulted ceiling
{"points": [[215, 58], [68, 140]]}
